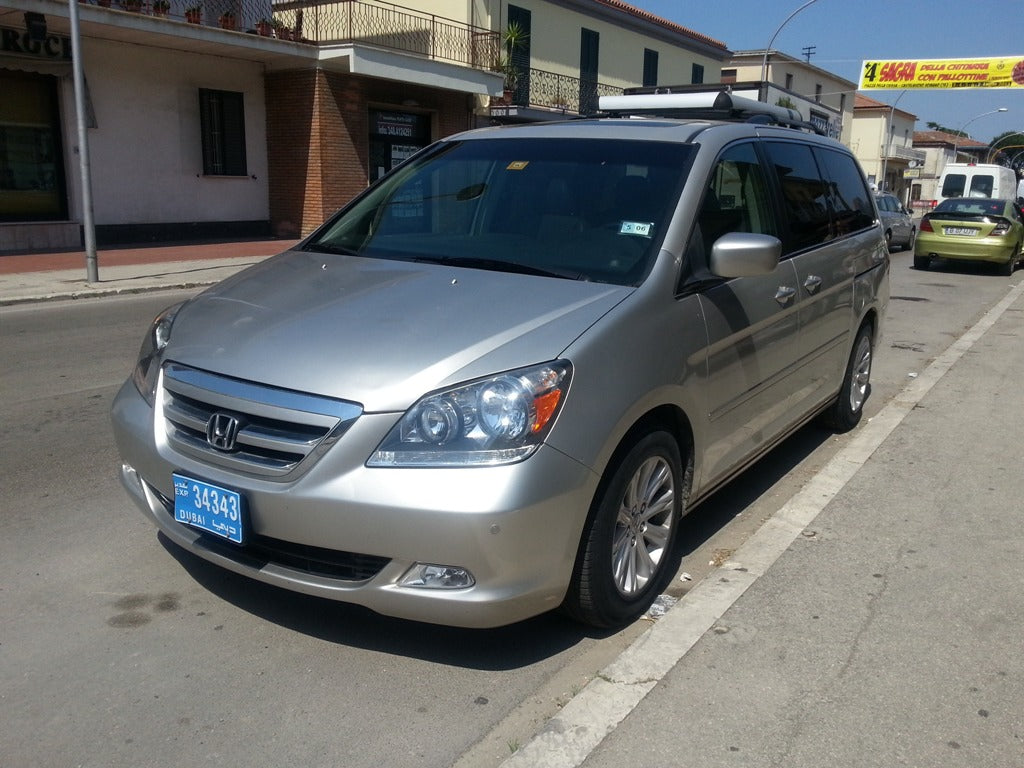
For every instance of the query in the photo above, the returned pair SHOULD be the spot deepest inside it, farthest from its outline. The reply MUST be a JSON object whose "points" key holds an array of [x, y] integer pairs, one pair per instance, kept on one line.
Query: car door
{"points": [[752, 322], [824, 252]]}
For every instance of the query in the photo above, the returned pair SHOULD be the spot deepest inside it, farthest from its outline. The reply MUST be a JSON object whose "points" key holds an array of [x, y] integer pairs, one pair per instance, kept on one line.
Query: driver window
{"points": [[736, 199]]}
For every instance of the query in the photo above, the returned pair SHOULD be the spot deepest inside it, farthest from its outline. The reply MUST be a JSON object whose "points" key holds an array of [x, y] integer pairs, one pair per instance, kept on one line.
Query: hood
{"points": [[378, 332]]}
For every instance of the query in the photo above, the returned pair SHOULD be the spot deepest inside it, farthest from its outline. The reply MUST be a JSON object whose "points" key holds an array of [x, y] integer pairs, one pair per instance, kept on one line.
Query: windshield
{"points": [[588, 209]]}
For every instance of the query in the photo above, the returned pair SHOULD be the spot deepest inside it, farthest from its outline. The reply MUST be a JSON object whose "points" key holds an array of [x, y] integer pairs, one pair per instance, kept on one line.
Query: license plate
{"points": [[963, 231], [208, 507]]}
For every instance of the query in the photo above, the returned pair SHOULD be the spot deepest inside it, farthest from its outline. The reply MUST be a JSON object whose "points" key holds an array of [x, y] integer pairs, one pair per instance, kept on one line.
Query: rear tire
{"points": [[922, 262], [629, 543], [1008, 268], [911, 239], [845, 413]]}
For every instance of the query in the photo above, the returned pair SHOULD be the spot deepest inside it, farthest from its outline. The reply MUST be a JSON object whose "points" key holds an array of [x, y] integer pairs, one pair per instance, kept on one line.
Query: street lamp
{"points": [[888, 137], [993, 152], [764, 61], [963, 127]]}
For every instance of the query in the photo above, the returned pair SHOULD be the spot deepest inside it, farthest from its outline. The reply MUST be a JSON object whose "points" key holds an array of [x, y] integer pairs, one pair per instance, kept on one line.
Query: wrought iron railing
{"points": [[239, 15], [390, 26], [333, 21], [551, 90], [382, 24]]}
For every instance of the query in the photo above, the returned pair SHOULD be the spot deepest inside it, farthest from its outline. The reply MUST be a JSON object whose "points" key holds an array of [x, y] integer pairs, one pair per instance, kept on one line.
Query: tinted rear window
{"points": [[823, 191]]}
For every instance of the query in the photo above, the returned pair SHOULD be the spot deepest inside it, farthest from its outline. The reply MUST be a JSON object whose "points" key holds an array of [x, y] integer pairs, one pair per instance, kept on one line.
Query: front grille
{"points": [[277, 430], [315, 561]]}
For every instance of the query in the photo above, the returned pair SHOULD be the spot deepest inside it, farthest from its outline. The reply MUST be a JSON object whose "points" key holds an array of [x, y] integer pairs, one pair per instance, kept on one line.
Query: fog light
{"points": [[427, 576]]}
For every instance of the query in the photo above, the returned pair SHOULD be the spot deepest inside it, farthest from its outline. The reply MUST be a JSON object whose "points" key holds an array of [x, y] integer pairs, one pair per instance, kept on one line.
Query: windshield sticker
{"points": [[517, 165], [641, 228]]}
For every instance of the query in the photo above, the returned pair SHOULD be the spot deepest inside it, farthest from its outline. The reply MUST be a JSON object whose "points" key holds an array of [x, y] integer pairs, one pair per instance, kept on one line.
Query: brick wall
{"points": [[318, 138]]}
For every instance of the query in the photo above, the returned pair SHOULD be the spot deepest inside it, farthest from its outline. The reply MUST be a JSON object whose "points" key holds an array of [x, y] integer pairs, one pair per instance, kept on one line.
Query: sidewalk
{"points": [[874, 621], [52, 276]]}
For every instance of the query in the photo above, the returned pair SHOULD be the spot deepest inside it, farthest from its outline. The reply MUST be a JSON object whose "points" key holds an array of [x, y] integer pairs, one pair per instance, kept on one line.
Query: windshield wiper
{"points": [[497, 265], [326, 248]]}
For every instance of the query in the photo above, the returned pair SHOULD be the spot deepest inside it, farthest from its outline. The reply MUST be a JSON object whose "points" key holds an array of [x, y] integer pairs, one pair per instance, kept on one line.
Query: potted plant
{"points": [[135, 6], [161, 7], [511, 39], [282, 31], [265, 27], [194, 14], [227, 20]]}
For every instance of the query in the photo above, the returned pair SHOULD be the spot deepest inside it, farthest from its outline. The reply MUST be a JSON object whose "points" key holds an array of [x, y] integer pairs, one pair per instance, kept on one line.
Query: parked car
{"points": [[897, 222], [972, 229], [493, 383]]}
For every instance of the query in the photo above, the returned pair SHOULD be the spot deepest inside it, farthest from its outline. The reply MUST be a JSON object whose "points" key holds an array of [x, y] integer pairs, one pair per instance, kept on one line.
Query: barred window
{"points": [[222, 118]]}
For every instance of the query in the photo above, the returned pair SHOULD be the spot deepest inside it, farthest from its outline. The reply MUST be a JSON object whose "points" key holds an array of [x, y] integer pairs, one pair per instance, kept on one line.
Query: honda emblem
{"points": [[222, 431]]}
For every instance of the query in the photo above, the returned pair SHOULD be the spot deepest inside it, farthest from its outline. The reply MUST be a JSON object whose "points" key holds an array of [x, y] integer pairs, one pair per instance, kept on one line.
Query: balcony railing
{"points": [[551, 90], [897, 152], [381, 24], [332, 21], [238, 15], [389, 26]]}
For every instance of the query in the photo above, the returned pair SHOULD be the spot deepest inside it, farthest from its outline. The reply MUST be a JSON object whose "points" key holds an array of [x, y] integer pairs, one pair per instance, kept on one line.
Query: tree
{"points": [[1008, 149], [944, 129]]}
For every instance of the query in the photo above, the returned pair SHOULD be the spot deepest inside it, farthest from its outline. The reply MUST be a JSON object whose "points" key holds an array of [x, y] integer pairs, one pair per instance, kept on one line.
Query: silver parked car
{"points": [[494, 382], [897, 222]]}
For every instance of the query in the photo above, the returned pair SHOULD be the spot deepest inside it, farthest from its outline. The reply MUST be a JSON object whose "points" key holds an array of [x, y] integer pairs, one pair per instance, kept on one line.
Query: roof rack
{"points": [[704, 105]]}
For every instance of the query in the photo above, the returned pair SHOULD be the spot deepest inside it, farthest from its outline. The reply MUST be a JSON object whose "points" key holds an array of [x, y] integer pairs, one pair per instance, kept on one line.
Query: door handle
{"points": [[785, 294], [812, 283]]}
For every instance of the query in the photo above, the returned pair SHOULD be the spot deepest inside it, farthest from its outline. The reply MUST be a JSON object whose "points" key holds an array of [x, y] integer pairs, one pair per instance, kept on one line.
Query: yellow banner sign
{"points": [[943, 73]]}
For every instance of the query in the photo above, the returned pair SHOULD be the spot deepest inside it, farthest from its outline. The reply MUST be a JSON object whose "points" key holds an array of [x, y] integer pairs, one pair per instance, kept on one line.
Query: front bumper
{"points": [[516, 528]]}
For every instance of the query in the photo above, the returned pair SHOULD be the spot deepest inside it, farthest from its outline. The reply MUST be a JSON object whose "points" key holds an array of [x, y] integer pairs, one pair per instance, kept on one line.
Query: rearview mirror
{"points": [[745, 254]]}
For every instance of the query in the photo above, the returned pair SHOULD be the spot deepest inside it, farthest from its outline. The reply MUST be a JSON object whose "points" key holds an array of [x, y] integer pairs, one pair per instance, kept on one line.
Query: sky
{"points": [[846, 32]]}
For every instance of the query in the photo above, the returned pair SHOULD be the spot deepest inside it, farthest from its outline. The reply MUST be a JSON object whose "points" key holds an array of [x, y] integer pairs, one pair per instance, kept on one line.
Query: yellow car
{"points": [[972, 229]]}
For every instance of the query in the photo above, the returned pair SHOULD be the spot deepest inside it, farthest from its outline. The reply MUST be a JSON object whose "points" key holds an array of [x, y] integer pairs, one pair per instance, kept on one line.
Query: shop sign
{"points": [[18, 42], [396, 124], [1007, 72]]}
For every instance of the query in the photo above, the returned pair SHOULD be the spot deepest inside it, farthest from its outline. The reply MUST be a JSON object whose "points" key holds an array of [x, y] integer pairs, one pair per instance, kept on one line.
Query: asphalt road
{"points": [[117, 649]]}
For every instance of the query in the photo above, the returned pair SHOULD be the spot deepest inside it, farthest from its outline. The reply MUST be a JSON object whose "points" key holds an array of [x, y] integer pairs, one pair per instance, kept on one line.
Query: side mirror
{"points": [[745, 254]]}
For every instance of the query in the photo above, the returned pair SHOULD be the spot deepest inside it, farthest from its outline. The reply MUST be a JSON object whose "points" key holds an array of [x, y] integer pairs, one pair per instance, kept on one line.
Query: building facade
{"points": [[262, 117], [882, 138], [822, 98]]}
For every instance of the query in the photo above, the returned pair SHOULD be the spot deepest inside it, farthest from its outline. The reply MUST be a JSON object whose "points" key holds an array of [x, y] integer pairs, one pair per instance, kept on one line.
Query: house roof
{"points": [[862, 102], [940, 138], [639, 13]]}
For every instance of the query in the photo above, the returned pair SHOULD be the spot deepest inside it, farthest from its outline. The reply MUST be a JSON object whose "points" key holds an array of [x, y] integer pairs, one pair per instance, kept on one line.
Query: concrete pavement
{"points": [[875, 620]]}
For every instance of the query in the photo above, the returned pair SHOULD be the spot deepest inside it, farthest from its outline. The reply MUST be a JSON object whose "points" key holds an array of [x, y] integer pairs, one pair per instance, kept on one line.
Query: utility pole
{"points": [[88, 225]]}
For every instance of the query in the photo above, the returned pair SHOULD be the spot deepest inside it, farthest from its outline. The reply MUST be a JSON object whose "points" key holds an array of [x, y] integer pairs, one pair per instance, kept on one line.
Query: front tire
{"points": [[845, 413], [623, 562]]}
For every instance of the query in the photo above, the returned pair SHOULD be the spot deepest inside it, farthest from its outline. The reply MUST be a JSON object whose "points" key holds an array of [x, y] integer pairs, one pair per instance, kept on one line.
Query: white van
{"points": [[977, 180]]}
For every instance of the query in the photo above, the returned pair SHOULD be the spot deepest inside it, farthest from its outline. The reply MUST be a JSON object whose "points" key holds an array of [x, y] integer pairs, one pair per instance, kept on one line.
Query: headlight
{"points": [[148, 366], [493, 421]]}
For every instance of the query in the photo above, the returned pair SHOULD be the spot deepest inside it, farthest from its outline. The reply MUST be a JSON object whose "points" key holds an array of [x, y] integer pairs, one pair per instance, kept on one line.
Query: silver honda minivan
{"points": [[493, 383]]}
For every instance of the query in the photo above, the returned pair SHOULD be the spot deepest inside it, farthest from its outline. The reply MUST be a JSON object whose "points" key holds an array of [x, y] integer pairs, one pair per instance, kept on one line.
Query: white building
{"points": [[217, 127]]}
